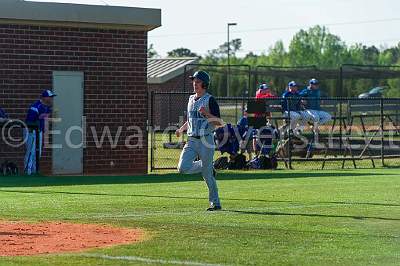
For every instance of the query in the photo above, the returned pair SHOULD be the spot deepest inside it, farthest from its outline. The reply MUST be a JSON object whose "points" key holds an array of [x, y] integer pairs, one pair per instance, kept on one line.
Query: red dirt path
{"points": [[18, 238]]}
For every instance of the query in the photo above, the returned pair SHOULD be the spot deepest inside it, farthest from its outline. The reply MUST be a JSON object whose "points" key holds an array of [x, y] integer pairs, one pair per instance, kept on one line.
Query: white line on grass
{"points": [[139, 215], [146, 260], [227, 212]]}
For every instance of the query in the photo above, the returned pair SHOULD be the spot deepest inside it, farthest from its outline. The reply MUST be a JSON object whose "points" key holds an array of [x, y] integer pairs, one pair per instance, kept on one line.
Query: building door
{"points": [[68, 135]]}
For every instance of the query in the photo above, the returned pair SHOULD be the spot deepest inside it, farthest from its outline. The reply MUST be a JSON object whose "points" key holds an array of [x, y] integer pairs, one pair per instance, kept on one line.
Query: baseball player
{"points": [[291, 105], [226, 139], [37, 114], [246, 143], [3, 115], [313, 112], [264, 92], [203, 116]]}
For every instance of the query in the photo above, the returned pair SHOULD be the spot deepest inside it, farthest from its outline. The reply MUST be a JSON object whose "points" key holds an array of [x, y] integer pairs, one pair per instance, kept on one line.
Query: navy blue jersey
{"points": [[37, 113], [244, 129], [227, 139], [313, 98], [3, 114], [243, 122], [266, 137], [291, 98], [214, 107]]}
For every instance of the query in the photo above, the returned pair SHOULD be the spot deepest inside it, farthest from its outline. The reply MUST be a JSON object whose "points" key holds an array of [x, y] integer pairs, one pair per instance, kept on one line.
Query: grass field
{"points": [[348, 217]]}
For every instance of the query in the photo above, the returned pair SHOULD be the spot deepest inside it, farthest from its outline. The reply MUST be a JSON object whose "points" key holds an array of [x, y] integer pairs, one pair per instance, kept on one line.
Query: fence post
{"points": [[289, 133], [382, 134], [184, 78], [152, 140], [236, 109], [255, 78], [243, 103], [340, 126], [341, 82], [249, 82]]}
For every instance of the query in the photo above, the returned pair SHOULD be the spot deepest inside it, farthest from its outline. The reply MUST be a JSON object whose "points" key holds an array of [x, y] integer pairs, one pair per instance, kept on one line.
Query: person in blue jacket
{"points": [[3, 115], [292, 107], [37, 115], [313, 112], [246, 143]]}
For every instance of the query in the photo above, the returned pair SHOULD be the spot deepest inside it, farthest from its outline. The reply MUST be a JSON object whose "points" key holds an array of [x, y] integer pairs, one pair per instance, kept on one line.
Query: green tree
{"points": [[181, 52], [316, 46], [277, 54], [389, 56], [222, 50], [371, 55]]}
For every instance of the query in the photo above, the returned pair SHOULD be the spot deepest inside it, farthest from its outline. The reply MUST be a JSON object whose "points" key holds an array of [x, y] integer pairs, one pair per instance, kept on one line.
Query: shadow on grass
{"points": [[313, 215], [191, 198], [39, 181]]}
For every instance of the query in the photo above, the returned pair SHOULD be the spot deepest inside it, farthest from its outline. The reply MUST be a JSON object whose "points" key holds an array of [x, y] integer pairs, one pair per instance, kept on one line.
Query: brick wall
{"points": [[114, 64]]}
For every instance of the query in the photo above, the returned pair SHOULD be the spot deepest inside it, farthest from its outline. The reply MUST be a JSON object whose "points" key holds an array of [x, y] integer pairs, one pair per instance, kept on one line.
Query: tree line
{"points": [[315, 46]]}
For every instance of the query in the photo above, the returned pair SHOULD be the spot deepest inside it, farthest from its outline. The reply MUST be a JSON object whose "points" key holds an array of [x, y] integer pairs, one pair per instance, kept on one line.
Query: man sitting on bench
{"points": [[313, 113], [291, 108], [264, 92]]}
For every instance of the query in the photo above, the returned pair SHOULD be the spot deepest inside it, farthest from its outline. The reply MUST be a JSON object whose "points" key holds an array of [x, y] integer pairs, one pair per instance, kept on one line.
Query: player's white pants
{"points": [[296, 119], [204, 149], [30, 155], [317, 117]]}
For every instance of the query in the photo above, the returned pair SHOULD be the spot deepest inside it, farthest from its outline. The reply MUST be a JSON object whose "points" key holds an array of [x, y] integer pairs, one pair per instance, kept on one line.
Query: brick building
{"points": [[169, 75], [95, 59]]}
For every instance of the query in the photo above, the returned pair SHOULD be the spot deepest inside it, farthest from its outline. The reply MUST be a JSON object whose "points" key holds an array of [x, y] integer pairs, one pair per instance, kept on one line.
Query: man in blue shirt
{"points": [[3, 115], [313, 112], [37, 115], [291, 107]]}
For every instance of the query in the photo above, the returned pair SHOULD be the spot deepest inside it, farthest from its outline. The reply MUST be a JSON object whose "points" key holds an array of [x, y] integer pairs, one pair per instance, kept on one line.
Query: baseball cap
{"points": [[48, 93], [313, 82], [263, 86], [292, 84], [201, 75]]}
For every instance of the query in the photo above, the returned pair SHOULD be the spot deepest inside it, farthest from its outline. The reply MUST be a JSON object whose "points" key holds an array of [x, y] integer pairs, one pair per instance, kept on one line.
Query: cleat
{"points": [[214, 208]]}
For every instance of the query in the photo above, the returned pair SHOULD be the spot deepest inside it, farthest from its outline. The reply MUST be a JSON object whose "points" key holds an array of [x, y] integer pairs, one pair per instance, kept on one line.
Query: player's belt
{"points": [[198, 137]]}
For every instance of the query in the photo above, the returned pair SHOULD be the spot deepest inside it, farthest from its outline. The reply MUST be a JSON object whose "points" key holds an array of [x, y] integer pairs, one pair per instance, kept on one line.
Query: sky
{"points": [[202, 25]]}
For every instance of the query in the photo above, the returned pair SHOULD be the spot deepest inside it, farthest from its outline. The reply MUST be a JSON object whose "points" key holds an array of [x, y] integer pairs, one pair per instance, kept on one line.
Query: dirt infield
{"points": [[21, 239]]}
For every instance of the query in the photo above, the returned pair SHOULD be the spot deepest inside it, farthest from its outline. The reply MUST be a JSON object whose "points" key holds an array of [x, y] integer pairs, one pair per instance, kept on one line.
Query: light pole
{"points": [[229, 68]]}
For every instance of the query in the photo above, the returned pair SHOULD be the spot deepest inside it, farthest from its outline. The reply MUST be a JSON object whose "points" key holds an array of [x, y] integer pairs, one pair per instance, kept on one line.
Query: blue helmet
{"points": [[48, 93], [263, 86], [313, 81], [203, 76], [292, 84]]}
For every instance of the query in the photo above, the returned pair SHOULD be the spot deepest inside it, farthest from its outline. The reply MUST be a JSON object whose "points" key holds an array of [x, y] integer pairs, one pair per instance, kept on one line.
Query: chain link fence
{"points": [[278, 78], [363, 132], [232, 80]]}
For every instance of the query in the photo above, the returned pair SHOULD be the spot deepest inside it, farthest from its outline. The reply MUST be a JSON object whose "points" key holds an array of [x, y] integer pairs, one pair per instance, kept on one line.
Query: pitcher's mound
{"points": [[18, 238]]}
